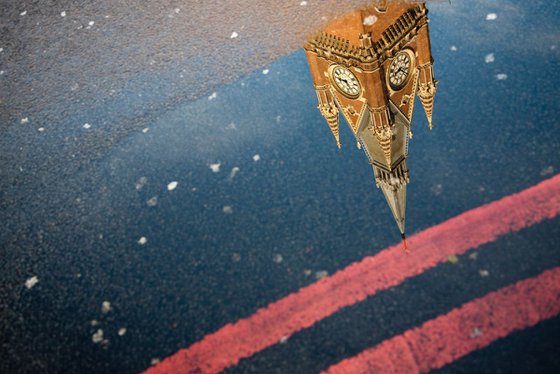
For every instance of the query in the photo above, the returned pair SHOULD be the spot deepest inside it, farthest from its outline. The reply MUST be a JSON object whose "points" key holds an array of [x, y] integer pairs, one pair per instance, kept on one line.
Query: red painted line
{"points": [[472, 326], [301, 309]]}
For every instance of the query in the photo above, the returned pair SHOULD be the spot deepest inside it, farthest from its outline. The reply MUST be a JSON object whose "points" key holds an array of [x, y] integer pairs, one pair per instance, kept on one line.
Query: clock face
{"points": [[400, 70], [346, 81]]}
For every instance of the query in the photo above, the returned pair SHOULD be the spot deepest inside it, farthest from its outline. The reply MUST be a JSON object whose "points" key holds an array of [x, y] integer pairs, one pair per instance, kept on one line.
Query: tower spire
{"points": [[393, 184], [427, 90], [329, 110], [396, 198], [426, 93]]}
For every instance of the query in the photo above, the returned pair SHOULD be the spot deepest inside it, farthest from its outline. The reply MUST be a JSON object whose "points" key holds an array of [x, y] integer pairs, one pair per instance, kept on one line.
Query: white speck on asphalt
{"points": [[321, 274], [234, 35], [475, 333], [172, 185], [489, 58], [215, 167], [142, 240], [491, 16], [256, 157], [141, 182], [106, 307], [98, 336], [29, 283], [233, 173], [501, 77]]}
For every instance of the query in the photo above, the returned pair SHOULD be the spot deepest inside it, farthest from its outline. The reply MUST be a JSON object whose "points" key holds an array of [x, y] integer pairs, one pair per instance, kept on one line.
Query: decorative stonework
{"points": [[395, 179], [427, 90]]}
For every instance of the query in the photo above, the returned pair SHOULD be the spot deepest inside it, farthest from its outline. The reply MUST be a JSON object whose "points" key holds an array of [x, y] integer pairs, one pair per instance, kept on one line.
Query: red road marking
{"points": [[472, 326], [299, 310]]}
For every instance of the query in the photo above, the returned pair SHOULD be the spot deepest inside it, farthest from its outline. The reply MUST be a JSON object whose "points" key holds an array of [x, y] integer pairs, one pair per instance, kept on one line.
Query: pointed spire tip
{"points": [[405, 246]]}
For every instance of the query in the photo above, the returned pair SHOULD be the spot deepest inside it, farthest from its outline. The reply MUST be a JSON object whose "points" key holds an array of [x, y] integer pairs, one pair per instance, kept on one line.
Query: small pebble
{"points": [[141, 182], [234, 35], [256, 157], [484, 273], [86, 126], [501, 77], [106, 307], [233, 172], [227, 209], [215, 167], [23, 13], [321, 274], [265, 71], [547, 171], [453, 259], [476, 332], [121, 331], [491, 16], [152, 201], [63, 14], [98, 336], [29, 283], [24, 120], [172, 185], [278, 258], [489, 58], [142, 240]]}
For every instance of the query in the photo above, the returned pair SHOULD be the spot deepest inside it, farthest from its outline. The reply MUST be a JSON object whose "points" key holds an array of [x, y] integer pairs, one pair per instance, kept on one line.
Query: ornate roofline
{"points": [[327, 45]]}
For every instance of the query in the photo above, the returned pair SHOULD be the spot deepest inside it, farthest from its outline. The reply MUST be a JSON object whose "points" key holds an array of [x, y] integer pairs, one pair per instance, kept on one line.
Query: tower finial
{"points": [[427, 90], [330, 112], [405, 246]]}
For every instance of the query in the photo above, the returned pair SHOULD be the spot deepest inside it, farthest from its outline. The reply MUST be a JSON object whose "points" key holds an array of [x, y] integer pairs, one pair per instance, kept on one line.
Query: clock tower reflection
{"points": [[368, 65]]}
